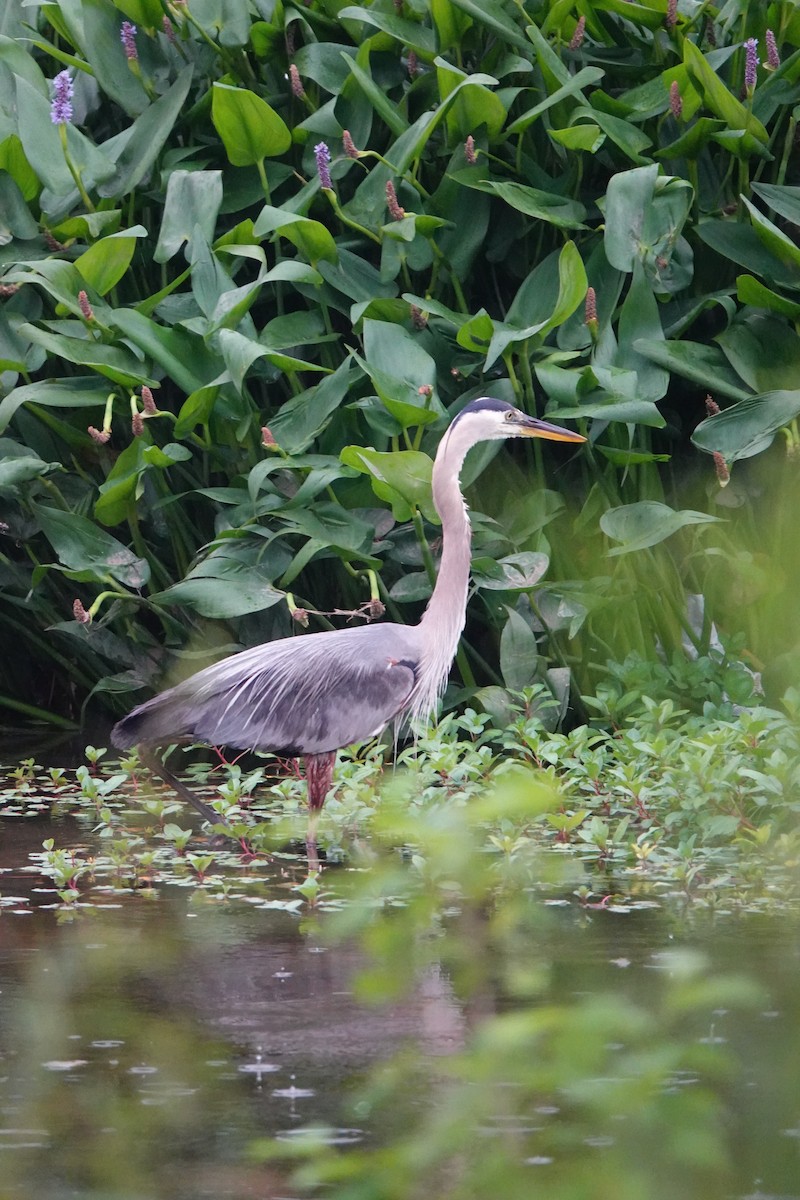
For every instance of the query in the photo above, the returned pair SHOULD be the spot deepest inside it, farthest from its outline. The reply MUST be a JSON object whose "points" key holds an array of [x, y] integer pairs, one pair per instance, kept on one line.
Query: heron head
{"points": [[492, 419]]}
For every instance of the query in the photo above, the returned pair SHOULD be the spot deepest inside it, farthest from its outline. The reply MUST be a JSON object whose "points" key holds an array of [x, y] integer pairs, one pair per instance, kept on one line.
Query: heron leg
{"points": [[156, 767], [319, 779]]}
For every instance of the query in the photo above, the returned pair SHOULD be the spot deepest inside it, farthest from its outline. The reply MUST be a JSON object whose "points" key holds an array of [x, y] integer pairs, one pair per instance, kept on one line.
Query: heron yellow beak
{"points": [[533, 427]]}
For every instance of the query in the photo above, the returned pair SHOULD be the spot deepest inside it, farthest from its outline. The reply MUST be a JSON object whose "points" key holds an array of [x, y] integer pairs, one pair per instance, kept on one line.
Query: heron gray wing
{"points": [[304, 695]]}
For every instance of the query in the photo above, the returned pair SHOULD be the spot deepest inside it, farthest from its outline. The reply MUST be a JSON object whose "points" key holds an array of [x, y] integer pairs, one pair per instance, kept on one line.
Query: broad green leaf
{"points": [[81, 546], [719, 98], [519, 653], [42, 145], [627, 137], [752, 291], [579, 137], [545, 300], [314, 241], [105, 263], [704, 365], [93, 28], [13, 161], [492, 14], [692, 141], [763, 350], [250, 129], [748, 427], [783, 199], [640, 318], [80, 392], [15, 217], [125, 481], [638, 526], [193, 201], [146, 139], [557, 210], [240, 352], [777, 242], [410, 33], [115, 362], [302, 418], [387, 111], [583, 78], [515, 572], [19, 465], [233, 593], [183, 356], [742, 244], [402, 478]]}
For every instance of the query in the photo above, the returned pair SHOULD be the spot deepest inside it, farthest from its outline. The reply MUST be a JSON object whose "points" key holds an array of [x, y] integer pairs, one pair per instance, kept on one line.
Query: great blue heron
{"points": [[309, 696]]}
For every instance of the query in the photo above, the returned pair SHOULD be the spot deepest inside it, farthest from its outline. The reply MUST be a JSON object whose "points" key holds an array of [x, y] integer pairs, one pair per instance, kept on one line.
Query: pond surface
{"points": [[154, 1041]]}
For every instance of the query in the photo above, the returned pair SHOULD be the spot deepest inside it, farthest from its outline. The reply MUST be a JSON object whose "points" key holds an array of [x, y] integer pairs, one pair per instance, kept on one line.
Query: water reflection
{"points": [[159, 1045]]}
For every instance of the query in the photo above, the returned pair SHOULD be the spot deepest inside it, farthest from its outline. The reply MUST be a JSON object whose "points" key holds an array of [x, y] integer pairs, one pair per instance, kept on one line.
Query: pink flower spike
{"points": [[80, 614], [773, 57], [395, 211], [127, 35], [322, 156], [296, 82], [577, 38]]}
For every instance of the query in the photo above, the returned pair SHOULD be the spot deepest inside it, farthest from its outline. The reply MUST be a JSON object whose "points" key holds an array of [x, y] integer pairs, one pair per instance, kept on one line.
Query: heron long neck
{"points": [[443, 619]]}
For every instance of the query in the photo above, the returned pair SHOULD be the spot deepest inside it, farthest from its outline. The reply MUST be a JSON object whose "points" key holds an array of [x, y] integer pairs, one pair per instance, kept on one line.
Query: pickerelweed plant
{"points": [[667, 806], [251, 263]]}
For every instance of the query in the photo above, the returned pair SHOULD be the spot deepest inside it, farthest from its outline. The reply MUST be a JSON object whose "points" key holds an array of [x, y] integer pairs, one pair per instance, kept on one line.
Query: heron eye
{"points": [[510, 414]]}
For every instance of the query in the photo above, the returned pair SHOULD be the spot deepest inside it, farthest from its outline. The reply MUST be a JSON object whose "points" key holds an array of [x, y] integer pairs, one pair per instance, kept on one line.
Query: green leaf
{"points": [[81, 392], [115, 362], [775, 240], [222, 586], [638, 526], [250, 129], [183, 356], [301, 419], [763, 350], [748, 427], [314, 241], [742, 244], [402, 478], [193, 201], [410, 33], [104, 263], [81, 546], [519, 653], [704, 365], [515, 572], [387, 111], [15, 217], [42, 145], [146, 138], [574, 85], [560, 211], [718, 96], [752, 291], [579, 137], [125, 480], [492, 14]]}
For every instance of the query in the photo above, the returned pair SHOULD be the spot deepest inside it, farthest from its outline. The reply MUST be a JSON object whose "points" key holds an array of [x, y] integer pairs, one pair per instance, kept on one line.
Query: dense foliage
{"points": [[253, 255]]}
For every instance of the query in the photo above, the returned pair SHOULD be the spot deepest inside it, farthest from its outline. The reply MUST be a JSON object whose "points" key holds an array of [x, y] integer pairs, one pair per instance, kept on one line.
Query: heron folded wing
{"points": [[304, 695]]}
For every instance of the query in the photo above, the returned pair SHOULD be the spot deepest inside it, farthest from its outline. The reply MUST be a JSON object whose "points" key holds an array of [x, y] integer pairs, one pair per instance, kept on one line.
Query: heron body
{"points": [[309, 696]]}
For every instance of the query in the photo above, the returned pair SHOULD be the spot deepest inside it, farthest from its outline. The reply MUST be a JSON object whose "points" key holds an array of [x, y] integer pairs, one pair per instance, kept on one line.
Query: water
{"points": [[169, 1041]]}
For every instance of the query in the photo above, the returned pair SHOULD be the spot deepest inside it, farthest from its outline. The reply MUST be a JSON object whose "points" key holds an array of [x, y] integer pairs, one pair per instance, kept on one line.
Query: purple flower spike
{"points": [[773, 57], [61, 104], [323, 156], [751, 62], [127, 35]]}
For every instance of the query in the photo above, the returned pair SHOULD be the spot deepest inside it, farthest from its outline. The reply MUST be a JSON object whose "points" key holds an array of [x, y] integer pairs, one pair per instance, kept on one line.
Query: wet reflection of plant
{"points": [[607, 1093]]}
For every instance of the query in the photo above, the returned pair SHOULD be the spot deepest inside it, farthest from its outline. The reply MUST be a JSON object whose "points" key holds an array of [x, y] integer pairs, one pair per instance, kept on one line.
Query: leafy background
{"points": [[305, 345]]}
